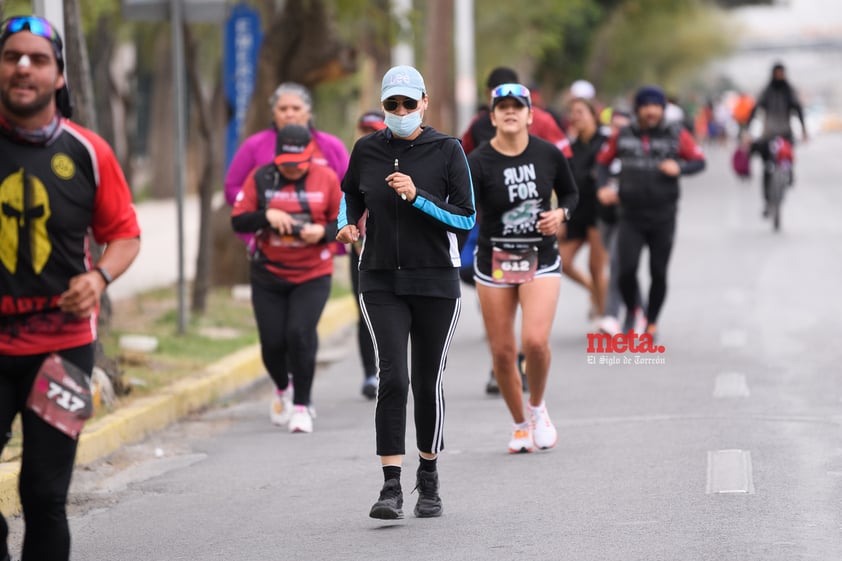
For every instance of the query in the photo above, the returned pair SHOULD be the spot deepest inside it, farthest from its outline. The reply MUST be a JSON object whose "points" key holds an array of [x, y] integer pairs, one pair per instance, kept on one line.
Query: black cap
{"points": [[292, 146], [650, 95], [501, 75], [292, 139]]}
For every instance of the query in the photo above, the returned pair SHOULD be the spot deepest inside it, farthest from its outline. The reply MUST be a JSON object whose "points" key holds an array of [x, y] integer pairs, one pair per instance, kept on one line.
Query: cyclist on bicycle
{"points": [[778, 101]]}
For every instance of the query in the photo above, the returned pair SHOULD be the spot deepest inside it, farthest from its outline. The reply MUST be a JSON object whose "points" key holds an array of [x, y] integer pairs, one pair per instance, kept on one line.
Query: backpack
{"points": [[741, 162]]}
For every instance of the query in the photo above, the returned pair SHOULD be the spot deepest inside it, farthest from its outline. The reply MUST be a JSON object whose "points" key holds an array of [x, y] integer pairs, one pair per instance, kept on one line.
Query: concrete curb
{"points": [[153, 413]]}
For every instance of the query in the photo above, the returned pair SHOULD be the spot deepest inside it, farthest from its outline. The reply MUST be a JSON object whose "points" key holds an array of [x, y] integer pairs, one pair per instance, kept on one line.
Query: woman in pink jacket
{"points": [[291, 104]]}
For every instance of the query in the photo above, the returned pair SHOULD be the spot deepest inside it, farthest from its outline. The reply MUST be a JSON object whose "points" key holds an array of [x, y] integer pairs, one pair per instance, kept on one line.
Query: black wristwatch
{"points": [[106, 276]]}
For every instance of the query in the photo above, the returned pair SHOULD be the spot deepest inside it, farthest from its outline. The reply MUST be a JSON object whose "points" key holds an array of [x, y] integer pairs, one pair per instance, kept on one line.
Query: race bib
{"points": [[61, 395], [513, 261]]}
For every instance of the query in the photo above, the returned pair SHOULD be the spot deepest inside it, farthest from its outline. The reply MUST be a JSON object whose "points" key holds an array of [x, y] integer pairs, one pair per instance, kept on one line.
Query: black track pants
{"points": [[47, 460], [287, 316], [428, 323], [631, 238]]}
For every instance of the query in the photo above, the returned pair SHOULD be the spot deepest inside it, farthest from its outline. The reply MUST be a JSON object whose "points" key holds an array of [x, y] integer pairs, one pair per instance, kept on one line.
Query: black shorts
{"points": [[584, 217]]}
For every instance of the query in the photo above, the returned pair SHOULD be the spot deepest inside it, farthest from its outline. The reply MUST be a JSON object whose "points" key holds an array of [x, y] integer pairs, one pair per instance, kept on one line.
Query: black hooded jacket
{"points": [[409, 247], [778, 101]]}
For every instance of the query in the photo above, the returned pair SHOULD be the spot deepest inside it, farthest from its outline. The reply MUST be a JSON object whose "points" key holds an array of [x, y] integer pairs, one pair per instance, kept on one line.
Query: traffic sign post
{"points": [[177, 12], [242, 45]]}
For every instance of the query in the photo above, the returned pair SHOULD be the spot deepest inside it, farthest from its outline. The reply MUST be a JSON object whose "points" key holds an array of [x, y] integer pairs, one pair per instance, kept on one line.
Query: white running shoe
{"points": [[609, 325], [301, 419], [521, 441], [280, 409], [640, 321], [543, 429]]}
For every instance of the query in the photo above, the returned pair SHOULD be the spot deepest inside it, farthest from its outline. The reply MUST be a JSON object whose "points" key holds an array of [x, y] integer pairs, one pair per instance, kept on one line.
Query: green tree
{"points": [[523, 34], [656, 41]]}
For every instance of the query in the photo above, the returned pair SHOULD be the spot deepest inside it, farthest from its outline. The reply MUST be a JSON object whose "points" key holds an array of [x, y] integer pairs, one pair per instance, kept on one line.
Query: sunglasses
{"points": [[33, 24], [392, 104], [509, 90]]}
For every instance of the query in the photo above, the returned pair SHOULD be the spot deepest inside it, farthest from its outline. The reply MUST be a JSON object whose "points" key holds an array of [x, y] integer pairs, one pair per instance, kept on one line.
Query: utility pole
{"points": [[466, 83], [403, 52]]}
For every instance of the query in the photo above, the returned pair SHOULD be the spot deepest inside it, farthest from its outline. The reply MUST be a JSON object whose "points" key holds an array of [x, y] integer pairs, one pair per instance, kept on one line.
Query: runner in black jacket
{"points": [[654, 155], [416, 186]]}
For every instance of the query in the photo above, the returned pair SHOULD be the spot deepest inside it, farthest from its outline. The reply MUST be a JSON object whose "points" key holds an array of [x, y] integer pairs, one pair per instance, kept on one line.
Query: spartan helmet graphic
{"points": [[21, 214]]}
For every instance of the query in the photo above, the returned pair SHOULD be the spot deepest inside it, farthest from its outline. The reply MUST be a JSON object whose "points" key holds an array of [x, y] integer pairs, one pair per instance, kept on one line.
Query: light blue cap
{"points": [[402, 80]]}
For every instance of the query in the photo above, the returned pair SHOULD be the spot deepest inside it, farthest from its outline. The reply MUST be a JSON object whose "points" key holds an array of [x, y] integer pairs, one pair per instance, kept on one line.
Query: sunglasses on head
{"points": [[33, 24], [507, 90], [393, 104]]}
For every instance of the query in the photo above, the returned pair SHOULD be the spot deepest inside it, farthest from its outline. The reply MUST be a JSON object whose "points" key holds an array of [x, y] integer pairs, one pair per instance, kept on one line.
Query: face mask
{"points": [[403, 126]]}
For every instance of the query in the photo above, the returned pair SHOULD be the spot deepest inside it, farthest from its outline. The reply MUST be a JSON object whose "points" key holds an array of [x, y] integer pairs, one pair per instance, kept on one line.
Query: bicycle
{"points": [[777, 176]]}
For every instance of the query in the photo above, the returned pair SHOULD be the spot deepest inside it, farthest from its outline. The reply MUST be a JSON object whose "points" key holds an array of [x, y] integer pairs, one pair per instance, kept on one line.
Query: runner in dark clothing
{"points": [[778, 102], [582, 228], [415, 184], [653, 156]]}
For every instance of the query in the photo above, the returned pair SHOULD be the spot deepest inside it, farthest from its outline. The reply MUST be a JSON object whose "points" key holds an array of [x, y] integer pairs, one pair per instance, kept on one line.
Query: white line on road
{"points": [[730, 385], [729, 472]]}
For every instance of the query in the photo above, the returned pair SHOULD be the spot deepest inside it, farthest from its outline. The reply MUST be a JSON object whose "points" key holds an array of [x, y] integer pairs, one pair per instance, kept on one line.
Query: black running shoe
{"points": [[491, 387], [388, 506], [429, 502], [521, 367], [370, 387]]}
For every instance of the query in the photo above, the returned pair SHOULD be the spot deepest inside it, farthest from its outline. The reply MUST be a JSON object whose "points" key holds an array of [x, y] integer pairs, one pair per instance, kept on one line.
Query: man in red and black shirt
{"points": [[653, 155], [58, 181]]}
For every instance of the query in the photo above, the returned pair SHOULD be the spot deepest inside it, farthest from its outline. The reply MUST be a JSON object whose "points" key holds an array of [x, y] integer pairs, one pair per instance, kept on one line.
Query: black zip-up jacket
{"points": [[409, 246], [646, 193]]}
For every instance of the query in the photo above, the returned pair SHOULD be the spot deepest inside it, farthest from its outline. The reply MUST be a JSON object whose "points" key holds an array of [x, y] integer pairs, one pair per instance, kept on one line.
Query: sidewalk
{"points": [[157, 266]]}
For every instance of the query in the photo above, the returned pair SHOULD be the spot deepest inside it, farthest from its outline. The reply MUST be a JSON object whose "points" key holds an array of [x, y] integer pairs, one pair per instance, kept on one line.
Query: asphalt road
{"points": [[730, 450]]}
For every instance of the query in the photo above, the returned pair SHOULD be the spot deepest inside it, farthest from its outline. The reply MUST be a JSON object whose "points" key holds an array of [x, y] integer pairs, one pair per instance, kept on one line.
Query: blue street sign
{"points": [[242, 45]]}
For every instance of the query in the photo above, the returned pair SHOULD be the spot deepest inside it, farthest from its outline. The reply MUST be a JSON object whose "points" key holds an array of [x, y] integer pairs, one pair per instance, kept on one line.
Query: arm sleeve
{"points": [[761, 104], [795, 105], [246, 216], [691, 157], [352, 204], [334, 202], [457, 212]]}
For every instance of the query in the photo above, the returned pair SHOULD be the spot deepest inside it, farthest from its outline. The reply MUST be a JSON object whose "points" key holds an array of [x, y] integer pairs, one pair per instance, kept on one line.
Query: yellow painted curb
{"points": [[174, 402]]}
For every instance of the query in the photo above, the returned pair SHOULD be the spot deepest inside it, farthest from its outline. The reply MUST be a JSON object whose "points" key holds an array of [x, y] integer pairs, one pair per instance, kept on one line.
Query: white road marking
{"points": [[730, 385], [729, 472]]}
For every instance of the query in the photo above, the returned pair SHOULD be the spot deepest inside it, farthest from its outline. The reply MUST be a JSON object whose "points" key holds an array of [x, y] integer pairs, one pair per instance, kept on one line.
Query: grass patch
{"points": [[226, 326]]}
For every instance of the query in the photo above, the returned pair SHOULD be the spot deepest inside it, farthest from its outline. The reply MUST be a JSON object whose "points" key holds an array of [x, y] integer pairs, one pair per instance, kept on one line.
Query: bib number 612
{"points": [[515, 266]]}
